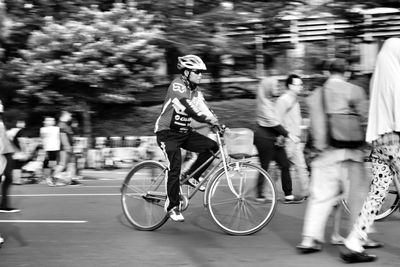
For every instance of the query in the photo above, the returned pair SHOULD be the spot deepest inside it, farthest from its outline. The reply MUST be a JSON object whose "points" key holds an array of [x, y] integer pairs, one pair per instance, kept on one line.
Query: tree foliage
{"points": [[106, 55]]}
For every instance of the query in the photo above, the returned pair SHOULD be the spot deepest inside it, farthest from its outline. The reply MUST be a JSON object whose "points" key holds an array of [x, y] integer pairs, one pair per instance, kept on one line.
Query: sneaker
{"points": [[9, 210], [176, 215], [75, 182], [337, 240], [194, 183], [291, 199], [1, 240], [263, 199]]}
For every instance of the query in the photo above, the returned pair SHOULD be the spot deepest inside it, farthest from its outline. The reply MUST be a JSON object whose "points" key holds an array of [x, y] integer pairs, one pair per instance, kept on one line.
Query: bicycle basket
{"points": [[239, 142]]}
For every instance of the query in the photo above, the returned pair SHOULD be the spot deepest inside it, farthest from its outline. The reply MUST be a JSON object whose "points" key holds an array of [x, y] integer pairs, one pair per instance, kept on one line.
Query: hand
{"points": [[294, 138], [213, 121]]}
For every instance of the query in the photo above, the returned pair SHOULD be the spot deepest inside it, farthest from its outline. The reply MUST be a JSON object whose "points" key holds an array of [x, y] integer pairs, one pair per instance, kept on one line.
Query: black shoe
{"points": [[75, 182], [9, 210], [354, 257], [317, 247]]}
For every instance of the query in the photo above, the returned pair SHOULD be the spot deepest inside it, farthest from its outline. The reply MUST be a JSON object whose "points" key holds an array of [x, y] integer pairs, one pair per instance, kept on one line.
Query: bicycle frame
{"points": [[222, 159]]}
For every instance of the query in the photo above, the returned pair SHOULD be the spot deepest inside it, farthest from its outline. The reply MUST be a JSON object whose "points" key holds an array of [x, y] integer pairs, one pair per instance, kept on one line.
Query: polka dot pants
{"points": [[385, 163]]}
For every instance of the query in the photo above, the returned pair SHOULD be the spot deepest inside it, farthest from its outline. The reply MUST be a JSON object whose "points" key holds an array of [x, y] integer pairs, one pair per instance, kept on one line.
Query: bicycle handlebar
{"points": [[220, 129]]}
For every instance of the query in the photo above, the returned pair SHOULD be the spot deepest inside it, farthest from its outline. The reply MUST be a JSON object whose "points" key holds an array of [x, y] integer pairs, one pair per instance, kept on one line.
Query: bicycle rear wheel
{"points": [[390, 204], [243, 214], [143, 195]]}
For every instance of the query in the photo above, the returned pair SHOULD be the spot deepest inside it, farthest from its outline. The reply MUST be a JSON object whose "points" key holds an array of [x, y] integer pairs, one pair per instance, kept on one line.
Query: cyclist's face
{"points": [[195, 76]]}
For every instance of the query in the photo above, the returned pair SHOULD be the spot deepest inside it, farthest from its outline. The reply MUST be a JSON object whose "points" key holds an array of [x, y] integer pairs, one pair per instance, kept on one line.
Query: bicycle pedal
{"points": [[155, 196]]}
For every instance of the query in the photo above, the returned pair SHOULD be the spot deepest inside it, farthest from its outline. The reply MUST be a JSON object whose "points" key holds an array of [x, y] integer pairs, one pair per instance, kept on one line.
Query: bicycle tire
{"points": [[143, 195], [243, 215], [389, 206]]}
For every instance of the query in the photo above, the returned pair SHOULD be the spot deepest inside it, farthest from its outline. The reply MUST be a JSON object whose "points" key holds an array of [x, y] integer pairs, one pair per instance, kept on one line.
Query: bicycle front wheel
{"points": [[143, 195], [390, 204], [232, 201]]}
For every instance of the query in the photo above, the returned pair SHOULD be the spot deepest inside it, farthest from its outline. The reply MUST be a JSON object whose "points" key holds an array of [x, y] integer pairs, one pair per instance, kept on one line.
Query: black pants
{"points": [[171, 143], [267, 152], [7, 181]]}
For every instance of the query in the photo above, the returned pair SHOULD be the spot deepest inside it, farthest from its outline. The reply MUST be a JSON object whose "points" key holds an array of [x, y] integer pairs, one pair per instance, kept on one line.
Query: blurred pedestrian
{"points": [[22, 154], [78, 150], [51, 142], [289, 114], [6, 166], [66, 152], [335, 170], [269, 139], [383, 132]]}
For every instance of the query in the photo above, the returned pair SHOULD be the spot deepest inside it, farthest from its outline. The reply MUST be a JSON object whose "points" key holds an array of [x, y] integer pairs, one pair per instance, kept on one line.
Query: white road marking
{"points": [[94, 186], [41, 221], [64, 195]]}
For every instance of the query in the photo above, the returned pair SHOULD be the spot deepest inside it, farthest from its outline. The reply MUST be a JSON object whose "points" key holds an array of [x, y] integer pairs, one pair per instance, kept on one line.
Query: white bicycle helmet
{"points": [[191, 62]]}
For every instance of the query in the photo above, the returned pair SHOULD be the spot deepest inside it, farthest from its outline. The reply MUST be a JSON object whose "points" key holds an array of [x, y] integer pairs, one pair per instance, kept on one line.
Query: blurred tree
{"points": [[27, 16], [202, 26], [98, 56], [22, 17]]}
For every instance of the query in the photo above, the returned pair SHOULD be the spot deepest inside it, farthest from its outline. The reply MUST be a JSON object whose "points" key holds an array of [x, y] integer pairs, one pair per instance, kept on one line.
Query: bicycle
{"points": [[390, 204], [229, 195]]}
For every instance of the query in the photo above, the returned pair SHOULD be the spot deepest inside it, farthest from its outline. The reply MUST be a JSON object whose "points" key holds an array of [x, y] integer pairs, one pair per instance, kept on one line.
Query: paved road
{"points": [[84, 226]]}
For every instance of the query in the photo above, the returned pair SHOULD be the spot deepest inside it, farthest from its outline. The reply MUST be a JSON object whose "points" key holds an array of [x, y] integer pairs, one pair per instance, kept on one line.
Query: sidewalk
{"points": [[104, 174]]}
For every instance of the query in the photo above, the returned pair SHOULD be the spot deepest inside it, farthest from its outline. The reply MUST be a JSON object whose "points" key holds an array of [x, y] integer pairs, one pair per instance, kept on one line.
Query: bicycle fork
{"points": [[228, 178]]}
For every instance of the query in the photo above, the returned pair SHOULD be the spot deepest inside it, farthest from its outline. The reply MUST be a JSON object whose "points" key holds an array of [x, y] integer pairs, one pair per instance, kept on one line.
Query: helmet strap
{"points": [[187, 81]]}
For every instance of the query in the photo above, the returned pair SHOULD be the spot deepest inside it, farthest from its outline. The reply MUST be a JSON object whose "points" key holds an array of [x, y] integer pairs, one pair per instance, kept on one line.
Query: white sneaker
{"points": [[176, 215], [1, 240]]}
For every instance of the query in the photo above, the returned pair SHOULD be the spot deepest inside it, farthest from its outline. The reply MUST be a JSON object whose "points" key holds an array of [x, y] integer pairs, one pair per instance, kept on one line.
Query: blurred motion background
{"points": [[110, 61]]}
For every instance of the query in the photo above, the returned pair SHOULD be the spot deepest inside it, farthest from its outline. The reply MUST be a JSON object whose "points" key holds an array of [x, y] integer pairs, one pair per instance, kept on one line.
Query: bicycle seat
{"points": [[240, 156]]}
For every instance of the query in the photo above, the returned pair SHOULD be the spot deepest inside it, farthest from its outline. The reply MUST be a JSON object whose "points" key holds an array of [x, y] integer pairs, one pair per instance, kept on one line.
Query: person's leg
{"points": [[300, 166], [203, 145], [265, 153], [358, 185], [17, 171], [336, 237], [62, 162], [46, 167], [354, 189], [384, 162], [190, 159], [170, 145], [284, 165], [7, 182], [324, 189]]}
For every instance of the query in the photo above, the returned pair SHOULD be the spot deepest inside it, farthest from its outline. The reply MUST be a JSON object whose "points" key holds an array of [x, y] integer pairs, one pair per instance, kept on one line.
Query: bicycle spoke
{"points": [[258, 213], [235, 220], [143, 195], [232, 200], [243, 215]]}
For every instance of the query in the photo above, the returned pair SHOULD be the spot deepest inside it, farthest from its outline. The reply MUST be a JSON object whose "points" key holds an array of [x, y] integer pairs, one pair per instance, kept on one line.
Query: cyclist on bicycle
{"points": [[174, 132]]}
